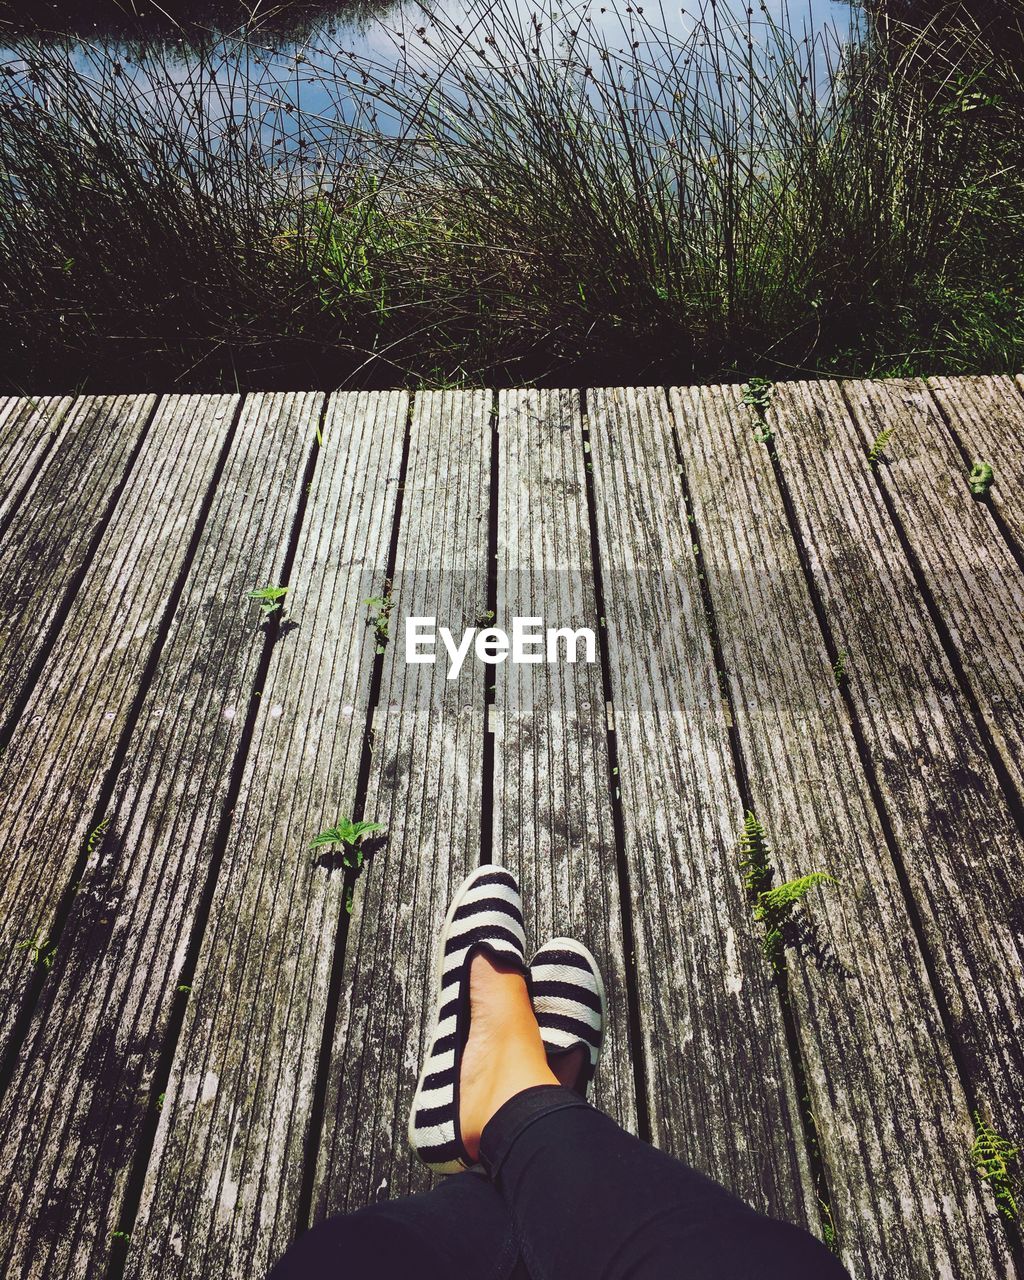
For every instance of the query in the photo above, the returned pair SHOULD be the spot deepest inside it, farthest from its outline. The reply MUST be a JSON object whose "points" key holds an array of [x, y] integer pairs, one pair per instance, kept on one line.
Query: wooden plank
{"points": [[57, 524], [425, 787], [987, 418], [721, 1089], [942, 796], [895, 1143], [964, 560], [75, 1109], [553, 822], [54, 770], [29, 428], [221, 1189]]}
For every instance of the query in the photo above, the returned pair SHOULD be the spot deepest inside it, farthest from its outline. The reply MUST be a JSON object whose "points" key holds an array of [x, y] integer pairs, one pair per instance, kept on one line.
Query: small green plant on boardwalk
{"points": [[878, 447], [757, 393], [981, 479], [772, 905], [349, 835], [382, 618], [270, 599], [828, 1226], [839, 670], [996, 1160], [94, 840], [40, 950]]}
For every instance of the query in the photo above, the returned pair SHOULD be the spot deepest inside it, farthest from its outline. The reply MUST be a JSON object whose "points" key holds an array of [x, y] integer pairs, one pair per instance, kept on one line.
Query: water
{"points": [[291, 59]]}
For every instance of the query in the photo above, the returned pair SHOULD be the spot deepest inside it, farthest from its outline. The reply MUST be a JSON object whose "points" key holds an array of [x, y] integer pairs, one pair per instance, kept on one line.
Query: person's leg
{"points": [[459, 1228], [591, 1202], [588, 1200]]}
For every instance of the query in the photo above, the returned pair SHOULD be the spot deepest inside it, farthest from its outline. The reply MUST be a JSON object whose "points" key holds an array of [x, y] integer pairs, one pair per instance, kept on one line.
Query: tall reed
{"points": [[506, 195]]}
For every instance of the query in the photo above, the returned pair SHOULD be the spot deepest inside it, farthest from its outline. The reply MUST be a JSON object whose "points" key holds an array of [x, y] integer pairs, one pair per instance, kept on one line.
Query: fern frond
{"points": [[785, 896], [772, 907], [754, 856], [996, 1161], [878, 447], [95, 837]]}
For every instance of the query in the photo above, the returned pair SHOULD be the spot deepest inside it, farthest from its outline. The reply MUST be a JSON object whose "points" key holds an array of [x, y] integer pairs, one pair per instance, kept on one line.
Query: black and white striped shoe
{"points": [[569, 1004], [486, 915]]}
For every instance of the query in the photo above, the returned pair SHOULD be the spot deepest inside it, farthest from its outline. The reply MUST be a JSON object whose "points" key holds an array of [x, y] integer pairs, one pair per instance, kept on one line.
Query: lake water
{"points": [[295, 58]]}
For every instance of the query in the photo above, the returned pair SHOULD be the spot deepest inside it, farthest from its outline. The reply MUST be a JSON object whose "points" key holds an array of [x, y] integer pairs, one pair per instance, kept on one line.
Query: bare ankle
{"points": [[504, 1053]]}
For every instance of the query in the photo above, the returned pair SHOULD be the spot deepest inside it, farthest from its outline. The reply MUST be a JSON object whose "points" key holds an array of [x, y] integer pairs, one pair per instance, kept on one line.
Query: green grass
{"points": [[524, 199]]}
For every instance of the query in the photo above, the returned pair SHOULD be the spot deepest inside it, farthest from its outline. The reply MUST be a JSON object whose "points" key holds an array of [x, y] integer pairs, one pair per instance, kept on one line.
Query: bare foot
{"points": [[504, 1054]]}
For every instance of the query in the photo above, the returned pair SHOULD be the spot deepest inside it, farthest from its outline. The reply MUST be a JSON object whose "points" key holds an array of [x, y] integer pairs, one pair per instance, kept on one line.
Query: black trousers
{"points": [[567, 1195]]}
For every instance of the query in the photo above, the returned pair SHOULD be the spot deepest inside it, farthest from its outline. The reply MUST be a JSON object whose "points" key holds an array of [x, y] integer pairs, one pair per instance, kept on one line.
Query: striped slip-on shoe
{"points": [[569, 1003], [486, 915]]}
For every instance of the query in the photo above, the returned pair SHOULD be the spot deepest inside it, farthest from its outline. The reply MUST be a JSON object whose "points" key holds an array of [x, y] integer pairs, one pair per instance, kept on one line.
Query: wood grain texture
{"points": [[891, 1117], [960, 850], [964, 560], [58, 522], [553, 822], [425, 788], [986, 416], [221, 1189], [75, 1109], [53, 773], [133, 611], [722, 1093], [29, 428]]}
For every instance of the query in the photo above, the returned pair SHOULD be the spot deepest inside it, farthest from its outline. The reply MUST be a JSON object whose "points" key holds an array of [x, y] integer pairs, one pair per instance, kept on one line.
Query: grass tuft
{"points": [[519, 195]]}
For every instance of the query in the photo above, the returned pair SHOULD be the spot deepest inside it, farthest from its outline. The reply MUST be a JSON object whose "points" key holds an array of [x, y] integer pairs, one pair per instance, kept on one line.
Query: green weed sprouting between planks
{"points": [[270, 599], [981, 479], [772, 905], [349, 835], [996, 1160], [757, 393], [94, 840], [879, 445], [382, 618], [41, 950]]}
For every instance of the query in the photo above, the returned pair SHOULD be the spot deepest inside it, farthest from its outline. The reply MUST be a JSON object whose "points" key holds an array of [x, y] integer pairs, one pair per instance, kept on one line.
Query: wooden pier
{"points": [[210, 1033]]}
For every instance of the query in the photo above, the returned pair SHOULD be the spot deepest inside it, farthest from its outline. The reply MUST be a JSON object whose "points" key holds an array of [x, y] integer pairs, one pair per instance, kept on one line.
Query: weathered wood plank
{"points": [[987, 416], [75, 1109], [553, 821], [722, 1093], [221, 1190], [974, 580], [896, 1143], [59, 519], [54, 770], [425, 787], [960, 851], [29, 427]]}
